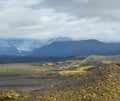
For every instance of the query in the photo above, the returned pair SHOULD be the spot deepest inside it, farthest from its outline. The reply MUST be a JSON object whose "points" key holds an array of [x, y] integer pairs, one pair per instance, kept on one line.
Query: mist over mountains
{"points": [[57, 47], [21, 44]]}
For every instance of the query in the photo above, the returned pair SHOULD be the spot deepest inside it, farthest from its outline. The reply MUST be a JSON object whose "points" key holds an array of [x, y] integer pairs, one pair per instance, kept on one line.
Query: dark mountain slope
{"points": [[18, 46], [85, 47], [11, 50], [58, 48]]}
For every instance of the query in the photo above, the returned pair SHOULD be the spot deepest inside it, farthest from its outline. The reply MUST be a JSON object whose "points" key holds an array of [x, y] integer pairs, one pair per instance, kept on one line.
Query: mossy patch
{"points": [[48, 64], [11, 95], [77, 70]]}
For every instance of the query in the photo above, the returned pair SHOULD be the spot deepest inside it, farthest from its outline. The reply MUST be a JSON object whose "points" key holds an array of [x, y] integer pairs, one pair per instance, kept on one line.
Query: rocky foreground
{"points": [[101, 83]]}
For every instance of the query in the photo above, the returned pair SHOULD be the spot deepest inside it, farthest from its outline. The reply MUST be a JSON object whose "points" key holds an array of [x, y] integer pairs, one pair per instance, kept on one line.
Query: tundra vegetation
{"points": [[69, 80]]}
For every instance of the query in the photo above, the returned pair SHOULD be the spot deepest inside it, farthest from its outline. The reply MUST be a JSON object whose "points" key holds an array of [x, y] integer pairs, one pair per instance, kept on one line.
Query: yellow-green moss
{"points": [[106, 62], [11, 95], [49, 64], [8, 94], [75, 71]]}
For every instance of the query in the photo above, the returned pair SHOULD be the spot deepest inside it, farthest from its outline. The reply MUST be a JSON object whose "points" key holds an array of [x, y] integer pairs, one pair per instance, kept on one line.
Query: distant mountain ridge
{"points": [[82, 47], [58, 47]]}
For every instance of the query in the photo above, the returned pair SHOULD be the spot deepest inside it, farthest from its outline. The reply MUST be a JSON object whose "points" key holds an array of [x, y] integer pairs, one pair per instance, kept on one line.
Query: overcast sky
{"points": [[46, 19]]}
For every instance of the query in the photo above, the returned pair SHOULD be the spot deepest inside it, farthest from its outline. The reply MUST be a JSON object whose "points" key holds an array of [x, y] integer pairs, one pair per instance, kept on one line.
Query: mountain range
{"points": [[58, 48]]}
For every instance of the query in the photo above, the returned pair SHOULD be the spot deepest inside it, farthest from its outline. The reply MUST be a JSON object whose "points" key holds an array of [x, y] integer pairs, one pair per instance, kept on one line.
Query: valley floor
{"points": [[71, 80]]}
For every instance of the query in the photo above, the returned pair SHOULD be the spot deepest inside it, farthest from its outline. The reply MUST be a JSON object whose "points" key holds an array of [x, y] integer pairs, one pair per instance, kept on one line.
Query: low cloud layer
{"points": [[48, 19]]}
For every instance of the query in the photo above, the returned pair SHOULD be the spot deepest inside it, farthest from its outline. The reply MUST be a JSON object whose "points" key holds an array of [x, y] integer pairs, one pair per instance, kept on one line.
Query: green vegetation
{"points": [[59, 62], [106, 62], [77, 70], [11, 95], [48, 64]]}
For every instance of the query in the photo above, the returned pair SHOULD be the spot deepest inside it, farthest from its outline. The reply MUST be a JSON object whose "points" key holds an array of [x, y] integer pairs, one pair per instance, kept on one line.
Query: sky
{"points": [[49, 19]]}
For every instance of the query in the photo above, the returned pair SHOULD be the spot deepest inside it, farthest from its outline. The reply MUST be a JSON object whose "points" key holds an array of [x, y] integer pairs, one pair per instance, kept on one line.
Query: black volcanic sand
{"points": [[32, 76], [27, 77]]}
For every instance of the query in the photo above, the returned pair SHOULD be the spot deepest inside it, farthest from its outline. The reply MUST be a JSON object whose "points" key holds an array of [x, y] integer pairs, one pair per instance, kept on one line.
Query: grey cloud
{"points": [[103, 9], [47, 19]]}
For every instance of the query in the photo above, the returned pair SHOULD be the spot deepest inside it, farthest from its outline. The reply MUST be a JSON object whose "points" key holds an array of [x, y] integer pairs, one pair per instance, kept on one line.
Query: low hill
{"points": [[101, 84], [96, 58]]}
